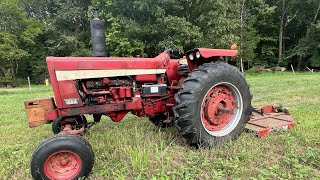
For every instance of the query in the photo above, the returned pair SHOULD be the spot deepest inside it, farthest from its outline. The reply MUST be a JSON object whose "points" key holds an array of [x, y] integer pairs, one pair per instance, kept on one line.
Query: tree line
{"points": [[268, 32]]}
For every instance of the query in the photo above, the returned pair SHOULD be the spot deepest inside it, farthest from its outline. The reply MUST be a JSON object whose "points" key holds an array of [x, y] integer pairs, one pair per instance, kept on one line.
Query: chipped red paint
{"points": [[63, 164], [117, 116], [148, 78], [51, 115], [268, 109], [113, 96], [206, 52], [207, 56], [100, 63], [213, 116], [68, 89], [269, 118]]}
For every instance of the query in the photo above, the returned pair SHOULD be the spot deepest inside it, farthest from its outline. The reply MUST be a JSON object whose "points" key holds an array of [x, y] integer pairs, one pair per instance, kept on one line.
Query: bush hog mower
{"points": [[207, 100]]}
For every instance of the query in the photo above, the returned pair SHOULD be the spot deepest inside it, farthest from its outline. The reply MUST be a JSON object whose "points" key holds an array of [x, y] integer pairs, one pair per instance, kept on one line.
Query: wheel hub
{"points": [[64, 162], [62, 165], [217, 108]]}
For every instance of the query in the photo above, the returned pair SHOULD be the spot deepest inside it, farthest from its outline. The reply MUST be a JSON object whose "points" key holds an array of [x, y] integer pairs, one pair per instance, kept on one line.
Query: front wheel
{"points": [[213, 105], [76, 122], [62, 157]]}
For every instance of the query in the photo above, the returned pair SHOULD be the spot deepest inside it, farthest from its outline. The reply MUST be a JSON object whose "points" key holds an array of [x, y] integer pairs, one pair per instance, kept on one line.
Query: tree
{"points": [[148, 25], [17, 32], [68, 32], [305, 45]]}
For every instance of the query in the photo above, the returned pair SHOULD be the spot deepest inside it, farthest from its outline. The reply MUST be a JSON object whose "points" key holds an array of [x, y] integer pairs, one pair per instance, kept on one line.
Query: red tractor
{"points": [[207, 100]]}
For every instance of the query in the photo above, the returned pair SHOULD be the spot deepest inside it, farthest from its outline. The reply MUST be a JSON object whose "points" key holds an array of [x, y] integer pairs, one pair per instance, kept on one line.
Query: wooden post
{"points": [[241, 65], [241, 35], [281, 31], [310, 69], [293, 70], [29, 83]]}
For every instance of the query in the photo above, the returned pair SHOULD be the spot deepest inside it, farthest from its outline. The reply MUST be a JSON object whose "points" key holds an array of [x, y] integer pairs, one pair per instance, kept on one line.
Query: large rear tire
{"points": [[62, 157], [212, 105]]}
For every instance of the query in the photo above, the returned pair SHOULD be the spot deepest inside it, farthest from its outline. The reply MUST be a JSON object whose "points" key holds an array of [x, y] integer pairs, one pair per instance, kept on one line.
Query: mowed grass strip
{"points": [[135, 149]]}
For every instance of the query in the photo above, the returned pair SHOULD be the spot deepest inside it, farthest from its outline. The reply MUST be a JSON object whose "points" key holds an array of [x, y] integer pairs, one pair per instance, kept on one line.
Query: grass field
{"points": [[135, 149]]}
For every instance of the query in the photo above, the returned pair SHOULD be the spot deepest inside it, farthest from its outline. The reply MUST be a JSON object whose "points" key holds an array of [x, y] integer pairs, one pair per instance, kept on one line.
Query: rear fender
{"points": [[206, 55]]}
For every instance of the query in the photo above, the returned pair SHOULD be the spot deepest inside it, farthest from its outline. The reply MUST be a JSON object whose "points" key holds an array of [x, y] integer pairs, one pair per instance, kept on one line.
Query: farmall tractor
{"points": [[207, 100]]}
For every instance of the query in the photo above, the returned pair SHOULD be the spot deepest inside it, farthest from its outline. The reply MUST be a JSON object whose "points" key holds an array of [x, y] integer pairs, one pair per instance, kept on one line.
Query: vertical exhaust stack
{"points": [[98, 36]]}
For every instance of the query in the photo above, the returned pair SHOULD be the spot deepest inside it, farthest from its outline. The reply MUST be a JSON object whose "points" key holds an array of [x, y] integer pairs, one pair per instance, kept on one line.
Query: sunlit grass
{"points": [[135, 149]]}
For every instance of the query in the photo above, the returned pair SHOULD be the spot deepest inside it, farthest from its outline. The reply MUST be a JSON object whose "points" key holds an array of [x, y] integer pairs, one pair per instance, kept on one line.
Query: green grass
{"points": [[135, 149]]}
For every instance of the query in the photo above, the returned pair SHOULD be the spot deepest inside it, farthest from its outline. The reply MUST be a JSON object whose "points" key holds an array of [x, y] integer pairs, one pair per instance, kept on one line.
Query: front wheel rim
{"points": [[62, 165], [221, 109]]}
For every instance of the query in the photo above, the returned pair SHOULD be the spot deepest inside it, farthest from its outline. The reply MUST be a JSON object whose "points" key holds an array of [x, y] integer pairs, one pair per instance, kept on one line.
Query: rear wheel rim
{"points": [[221, 109], [62, 165]]}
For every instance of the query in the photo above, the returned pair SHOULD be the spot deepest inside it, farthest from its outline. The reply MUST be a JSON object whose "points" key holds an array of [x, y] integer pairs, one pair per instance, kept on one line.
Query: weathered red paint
{"points": [[172, 72], [148, 78], [268, 109], [117, 116], [207, 55], [68, 89], [214, 108], [100, 63], [51, 115], [267, 119], [63, 164], [96, 109], [206, 52], [115, 97]]}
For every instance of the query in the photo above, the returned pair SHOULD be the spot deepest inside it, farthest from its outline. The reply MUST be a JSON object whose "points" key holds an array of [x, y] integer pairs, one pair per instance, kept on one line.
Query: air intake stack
{"points": [[98, 36]]}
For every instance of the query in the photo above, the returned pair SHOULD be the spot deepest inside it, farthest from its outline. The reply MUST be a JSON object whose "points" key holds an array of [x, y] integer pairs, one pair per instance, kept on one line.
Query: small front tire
{"points": [[62, 157]]}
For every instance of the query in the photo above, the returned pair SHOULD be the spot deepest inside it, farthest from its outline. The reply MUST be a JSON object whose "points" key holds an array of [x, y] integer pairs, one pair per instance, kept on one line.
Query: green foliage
{"points": [[30, 30], [120, 45], [315, 59], [219, 21], [68, 32], [178, 35], [17, 34]]}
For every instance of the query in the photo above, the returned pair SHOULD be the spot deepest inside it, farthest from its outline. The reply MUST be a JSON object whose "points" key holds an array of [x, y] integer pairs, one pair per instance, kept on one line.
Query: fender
{"points": [[206, 53], [198, 56]]}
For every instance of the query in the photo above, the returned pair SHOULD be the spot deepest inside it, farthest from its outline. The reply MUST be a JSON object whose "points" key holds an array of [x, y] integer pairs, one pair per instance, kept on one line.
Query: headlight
{"points": [[191, 57], [198, 55]]}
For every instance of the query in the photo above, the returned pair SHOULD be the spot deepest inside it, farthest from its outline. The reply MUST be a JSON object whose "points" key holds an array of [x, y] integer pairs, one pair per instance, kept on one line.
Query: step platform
{"points": [[268, 119]]}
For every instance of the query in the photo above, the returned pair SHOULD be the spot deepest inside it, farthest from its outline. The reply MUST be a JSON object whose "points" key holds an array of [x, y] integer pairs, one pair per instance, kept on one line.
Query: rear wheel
{"points": [[213, 105], [62, 157]]}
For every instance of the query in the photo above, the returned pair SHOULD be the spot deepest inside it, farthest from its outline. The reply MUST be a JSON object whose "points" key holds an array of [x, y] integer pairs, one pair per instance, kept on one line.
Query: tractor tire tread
{"points": [[43, 149], [185, 114]]}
